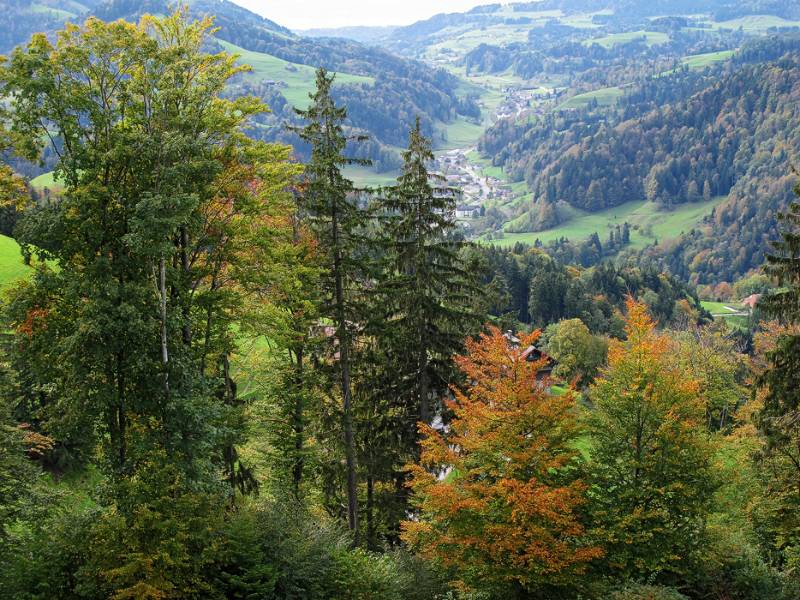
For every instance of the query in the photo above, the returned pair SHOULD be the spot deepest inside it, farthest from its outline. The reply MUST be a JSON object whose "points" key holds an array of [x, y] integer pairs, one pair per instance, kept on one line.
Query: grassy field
{"points": [[299, 79], [651, 38], [45, 180], [11, 266], [701, 61], [458, 134], [457, 41], [730, 311], [53, 12], [604, 96], [722, 308], [487, 169], [754, 23], [648, 223], [366, 177]]}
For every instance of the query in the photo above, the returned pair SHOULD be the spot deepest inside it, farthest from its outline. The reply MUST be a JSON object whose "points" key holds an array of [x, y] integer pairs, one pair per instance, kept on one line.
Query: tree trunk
{"points": [[164, 351], [344, 366], [297, 425], [370, 509], [186, 329]]}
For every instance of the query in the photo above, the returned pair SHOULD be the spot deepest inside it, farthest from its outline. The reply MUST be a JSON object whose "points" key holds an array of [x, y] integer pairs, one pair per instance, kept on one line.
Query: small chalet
{"points": [[751, 301], [533, 354]]}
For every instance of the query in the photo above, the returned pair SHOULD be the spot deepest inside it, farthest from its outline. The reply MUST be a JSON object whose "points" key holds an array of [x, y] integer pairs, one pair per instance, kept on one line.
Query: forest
{"points": [[682, 138], [233, 373]]}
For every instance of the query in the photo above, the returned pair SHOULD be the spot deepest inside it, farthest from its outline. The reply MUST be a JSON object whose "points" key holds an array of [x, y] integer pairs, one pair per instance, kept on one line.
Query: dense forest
{"points": [[678, 139], [232, 373]]}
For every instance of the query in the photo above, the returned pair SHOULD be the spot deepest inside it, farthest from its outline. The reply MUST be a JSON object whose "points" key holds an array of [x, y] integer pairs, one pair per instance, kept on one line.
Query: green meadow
{"points": [[648, 221], [604, 97], [651, 38], [299, 79], [11, 266], [754, 23]]}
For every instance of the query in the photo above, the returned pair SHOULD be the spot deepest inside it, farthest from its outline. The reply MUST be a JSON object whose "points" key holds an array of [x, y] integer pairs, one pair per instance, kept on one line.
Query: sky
{"points": [[308, 14]]}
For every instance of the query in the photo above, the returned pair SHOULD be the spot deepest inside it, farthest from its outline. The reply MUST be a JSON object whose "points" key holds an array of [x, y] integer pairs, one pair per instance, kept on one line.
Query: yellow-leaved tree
{"points": [[651, 476]]}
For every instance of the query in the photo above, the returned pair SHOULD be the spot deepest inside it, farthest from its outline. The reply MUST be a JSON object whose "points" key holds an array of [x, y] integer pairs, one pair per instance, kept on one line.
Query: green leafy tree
{"points": [[579, 354], [651, 478], [158, 183]]}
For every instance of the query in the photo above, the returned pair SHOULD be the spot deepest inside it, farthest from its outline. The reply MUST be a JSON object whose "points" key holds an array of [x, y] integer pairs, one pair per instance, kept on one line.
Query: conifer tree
{"points": [[332, 211], [780, 416], [427, 289]]}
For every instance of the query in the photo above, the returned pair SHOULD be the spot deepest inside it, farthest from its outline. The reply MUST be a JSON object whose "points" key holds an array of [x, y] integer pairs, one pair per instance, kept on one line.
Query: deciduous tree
{"points": [[650, 457], [496, 491]]}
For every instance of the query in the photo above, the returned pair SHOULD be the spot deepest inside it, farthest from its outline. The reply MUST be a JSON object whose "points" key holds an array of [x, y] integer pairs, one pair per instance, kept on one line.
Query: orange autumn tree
{"points": [[496, 491]]}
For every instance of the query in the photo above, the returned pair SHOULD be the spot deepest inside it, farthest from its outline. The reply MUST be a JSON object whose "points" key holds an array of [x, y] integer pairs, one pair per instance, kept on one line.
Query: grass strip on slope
{"points": [[12, 268], [754, 23], [300, 79], [648, 221], [45, 180], [651, 38], [604, 97]]}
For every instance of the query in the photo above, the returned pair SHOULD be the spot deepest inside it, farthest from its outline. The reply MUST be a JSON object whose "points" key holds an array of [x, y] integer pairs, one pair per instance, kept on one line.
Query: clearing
{"points": [[649, 223], [294, 81], [651, 38]]}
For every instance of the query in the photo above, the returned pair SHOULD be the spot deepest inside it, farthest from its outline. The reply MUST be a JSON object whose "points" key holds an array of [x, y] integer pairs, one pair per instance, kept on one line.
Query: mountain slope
{"points": [[373, 82], [733, 131]]}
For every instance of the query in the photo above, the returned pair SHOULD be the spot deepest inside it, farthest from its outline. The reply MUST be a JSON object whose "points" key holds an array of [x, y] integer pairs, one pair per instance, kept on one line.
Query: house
{"points": [[533, 354], [751, 301]]}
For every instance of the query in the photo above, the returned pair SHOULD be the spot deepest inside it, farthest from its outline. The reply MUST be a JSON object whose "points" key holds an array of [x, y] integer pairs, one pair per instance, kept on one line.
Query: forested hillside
{"points": [[676, 139], [394, 90]]}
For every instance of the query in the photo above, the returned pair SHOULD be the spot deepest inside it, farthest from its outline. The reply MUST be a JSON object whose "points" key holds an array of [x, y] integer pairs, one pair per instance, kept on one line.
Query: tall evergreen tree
{"points": [[427, 290], [780, 415], [422, 311], [331, 207]]}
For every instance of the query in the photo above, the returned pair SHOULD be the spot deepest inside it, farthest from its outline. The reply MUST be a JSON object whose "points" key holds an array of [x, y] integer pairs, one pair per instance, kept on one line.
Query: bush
{"points": [[647, 592]]}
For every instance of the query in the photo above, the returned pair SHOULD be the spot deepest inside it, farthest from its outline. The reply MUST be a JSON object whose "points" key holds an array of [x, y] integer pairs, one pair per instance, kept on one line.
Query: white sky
{"points": [[308, 14]]}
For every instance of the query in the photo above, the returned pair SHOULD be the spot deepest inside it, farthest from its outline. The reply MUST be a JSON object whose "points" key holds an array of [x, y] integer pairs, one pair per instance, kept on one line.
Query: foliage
{"points": [[337, 221], [781, 400], [540, 290], [497, 491], [714, 360], [579, 354], [647, 592], [651, 477]]}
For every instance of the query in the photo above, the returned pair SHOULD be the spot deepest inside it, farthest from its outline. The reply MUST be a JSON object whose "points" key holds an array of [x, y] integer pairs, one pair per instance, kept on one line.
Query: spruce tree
{"points": [[331, 208], [427, 289], [780, 415], [420, 313]]}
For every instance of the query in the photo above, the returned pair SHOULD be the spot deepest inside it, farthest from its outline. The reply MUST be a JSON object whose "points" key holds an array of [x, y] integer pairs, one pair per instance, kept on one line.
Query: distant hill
{"points": [[384, 92], [362, 34], [674, 140]]}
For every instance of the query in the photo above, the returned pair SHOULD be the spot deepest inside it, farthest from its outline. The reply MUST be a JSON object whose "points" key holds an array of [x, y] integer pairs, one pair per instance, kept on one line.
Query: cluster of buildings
{"points": [[475, 187]]}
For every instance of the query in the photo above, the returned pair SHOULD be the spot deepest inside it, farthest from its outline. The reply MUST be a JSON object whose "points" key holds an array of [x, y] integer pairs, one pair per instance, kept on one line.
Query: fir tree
{"points": [[333, 214], [427, 290], [423, 314], [780, 415]]}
